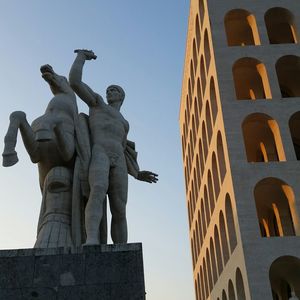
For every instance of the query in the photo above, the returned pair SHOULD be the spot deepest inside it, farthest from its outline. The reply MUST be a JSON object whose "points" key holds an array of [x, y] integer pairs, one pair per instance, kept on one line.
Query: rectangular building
{"points": [[240, 131]]}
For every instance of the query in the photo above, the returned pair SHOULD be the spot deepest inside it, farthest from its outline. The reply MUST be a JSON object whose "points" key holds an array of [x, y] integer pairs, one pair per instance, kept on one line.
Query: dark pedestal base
{"points": [[110, 272]]}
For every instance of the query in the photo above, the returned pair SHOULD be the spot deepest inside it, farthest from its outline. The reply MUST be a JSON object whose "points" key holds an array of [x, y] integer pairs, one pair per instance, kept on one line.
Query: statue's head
{"points": [[114, 93], [58, 84]]}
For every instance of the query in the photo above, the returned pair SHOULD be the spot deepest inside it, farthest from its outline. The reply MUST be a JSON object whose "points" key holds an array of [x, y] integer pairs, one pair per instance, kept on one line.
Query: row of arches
{"points": [[206, 130], [276, 209], [215, 178], [235, 288], [199, 64], [211, 111], [203, 64], [251, 79], [241, 28], [262, 137], [216, 255]]}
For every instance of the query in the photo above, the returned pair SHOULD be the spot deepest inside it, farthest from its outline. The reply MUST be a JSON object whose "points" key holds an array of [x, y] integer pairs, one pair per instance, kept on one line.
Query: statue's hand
{"points": [[89, 54], [147, 176]]}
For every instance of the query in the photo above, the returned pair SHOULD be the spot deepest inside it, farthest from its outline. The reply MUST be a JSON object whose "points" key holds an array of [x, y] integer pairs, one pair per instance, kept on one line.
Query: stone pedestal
{"points": [[107, 272]]}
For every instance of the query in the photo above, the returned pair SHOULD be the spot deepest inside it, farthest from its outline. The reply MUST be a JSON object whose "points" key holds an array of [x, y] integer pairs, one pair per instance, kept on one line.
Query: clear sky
{"points": [[140, 45]]}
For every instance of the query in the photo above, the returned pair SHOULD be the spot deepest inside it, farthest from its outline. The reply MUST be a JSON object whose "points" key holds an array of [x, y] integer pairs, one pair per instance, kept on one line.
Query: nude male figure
{"points": [[108, 174]]}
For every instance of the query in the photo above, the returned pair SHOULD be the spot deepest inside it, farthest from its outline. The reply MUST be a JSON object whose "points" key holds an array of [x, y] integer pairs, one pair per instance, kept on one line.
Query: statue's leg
{"points": [[65, 141], [117, 193], [29, 140], [17, 121], [98, 180]]}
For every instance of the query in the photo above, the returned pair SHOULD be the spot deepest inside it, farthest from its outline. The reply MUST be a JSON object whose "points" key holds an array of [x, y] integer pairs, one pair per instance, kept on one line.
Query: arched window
{"points": [[206, 204], [202, 284], [192, 75], [196, 113], [224, 239], [281, 26], [199, 96], [276, 209], [213, 261], [203, 219], [197, 29], [201, 11], [231, 293], [194, 130], [221, 157], [262, 139], [224, 297], [239, 283], [241, 29], [197, 241], [198, 287], [251, 79], [206, 50], [285, 277], [215, 176], [205, 275], [201, 156], [204, 140], [294, 124], [230, 223], [198, 169], [208, 121], [210, 281], [210, 192], [288, 73], [189, 95], [195, 56], [213, 99], [202, 74], [200, 229], [192, 250], [218, 250]]}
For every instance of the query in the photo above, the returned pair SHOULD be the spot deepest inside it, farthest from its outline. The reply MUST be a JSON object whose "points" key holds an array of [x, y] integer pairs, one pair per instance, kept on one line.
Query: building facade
{"points": [[240, 131]]}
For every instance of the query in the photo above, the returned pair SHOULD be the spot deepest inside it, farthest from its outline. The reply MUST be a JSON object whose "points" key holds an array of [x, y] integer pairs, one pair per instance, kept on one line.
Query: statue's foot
{"points": [[9, 158]]}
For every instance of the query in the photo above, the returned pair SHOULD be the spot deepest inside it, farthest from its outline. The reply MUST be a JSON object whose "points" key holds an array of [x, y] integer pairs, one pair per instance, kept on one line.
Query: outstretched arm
{"points": [[75, 78], [133, 167]]}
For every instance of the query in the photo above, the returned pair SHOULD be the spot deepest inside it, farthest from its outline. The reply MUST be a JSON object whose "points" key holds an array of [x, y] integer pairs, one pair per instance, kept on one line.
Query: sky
{"points": [[141, 46]]}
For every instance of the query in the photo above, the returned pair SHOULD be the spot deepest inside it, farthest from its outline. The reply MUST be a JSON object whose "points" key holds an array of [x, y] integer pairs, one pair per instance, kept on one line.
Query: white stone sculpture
{"points": [[59, 138], [54, 227], [112, 156]]}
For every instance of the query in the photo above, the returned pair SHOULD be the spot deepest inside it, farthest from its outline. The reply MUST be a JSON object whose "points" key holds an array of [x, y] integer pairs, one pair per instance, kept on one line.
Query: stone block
{"points": [[106, 272]]}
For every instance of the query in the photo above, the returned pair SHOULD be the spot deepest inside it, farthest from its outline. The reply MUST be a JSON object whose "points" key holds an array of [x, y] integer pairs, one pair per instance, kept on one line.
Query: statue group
{"points": [[83, 160]]}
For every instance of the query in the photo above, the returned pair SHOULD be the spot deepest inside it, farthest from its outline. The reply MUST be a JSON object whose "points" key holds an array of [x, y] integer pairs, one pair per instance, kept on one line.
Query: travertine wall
{"points": [[234, 57]]}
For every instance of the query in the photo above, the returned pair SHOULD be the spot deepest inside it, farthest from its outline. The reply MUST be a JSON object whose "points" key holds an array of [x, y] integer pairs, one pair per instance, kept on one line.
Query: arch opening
{"points": [[262, 139], [276, 209], [251, 79], [294, 125], [288, 73], [281, 26], [241, 28], [284, 277]]}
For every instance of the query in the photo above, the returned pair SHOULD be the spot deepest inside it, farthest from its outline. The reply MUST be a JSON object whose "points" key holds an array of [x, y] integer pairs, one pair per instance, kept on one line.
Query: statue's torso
{"points": [[108, 129]]}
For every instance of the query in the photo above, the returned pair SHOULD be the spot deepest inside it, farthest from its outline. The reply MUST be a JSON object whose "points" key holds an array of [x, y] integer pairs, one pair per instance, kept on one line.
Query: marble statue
{"points": [[57, 139], [81, 159], [112, 156]]}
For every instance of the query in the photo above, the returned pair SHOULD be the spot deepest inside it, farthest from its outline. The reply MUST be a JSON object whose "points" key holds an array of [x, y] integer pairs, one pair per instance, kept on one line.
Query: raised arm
{"points": [[75, 78]]}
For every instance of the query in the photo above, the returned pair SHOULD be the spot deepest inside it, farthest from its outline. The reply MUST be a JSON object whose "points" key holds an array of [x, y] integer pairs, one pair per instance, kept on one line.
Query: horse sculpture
{"points": [[58, 141], [50, 140]]}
